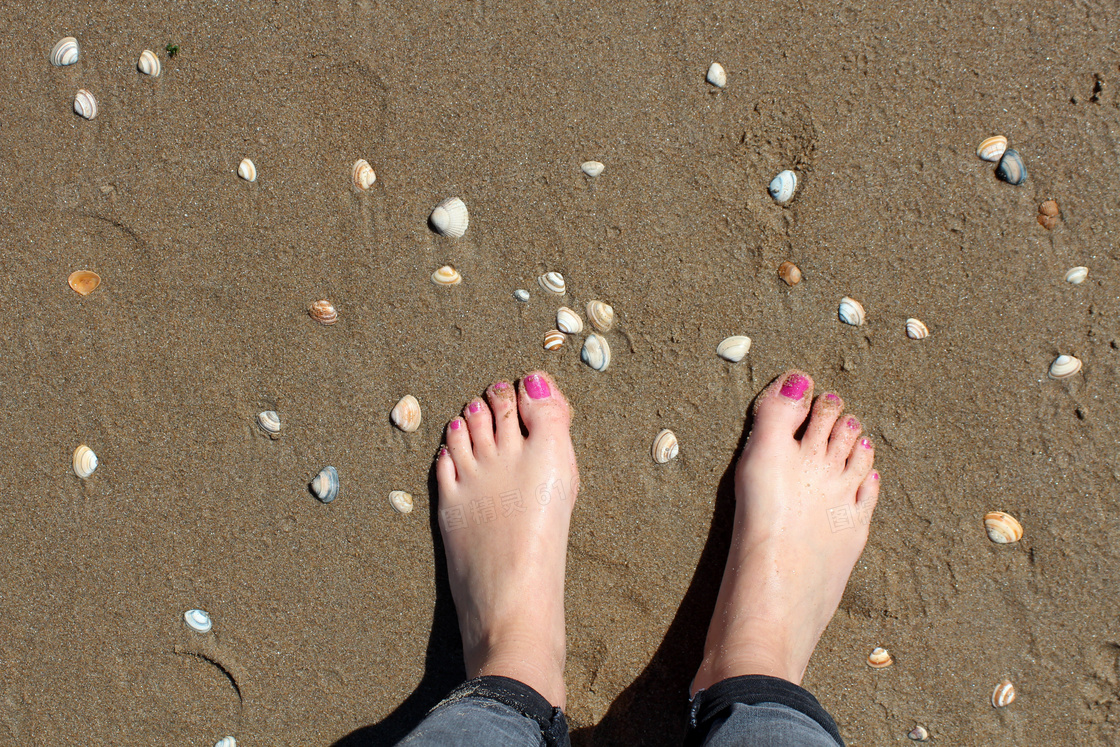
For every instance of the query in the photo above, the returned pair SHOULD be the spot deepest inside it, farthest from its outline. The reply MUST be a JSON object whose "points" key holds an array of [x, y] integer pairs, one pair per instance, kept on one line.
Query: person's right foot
{"points": [[802, 513]]}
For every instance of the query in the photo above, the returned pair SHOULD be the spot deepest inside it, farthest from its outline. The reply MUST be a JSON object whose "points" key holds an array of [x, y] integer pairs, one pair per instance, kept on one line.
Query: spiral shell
{"points": [[449, 218], [553, 282], [84, 282], [717, 76], [734, 348], [325, 484], [363, 175], [665, 447], [198, 620], [919, 733], [601, 315], [269, 421], [1003, 695], [568, 321], [65, 52], [226, 742], [149, 63], [592, 168], [992, 149], [447, 276], [851, 312], [401, 501], [596, 352], [247, 170], [1077, 275], [323, 312], [879, 658], [85, 461], [1011, 168], [85, 104], [783, 186], [789, 273], [916, 330], [406, 414], [553, 339], [1064, 366], [521, 295], [1002, 528]]}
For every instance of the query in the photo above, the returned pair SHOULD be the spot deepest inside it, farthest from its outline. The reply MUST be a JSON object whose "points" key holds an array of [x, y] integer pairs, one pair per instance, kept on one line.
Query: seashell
{"points": [[568, 321], [65, 52], [665, 447], [782, 187], [879, 658], [915, 330], [447, 275], [521, 295], [363, 175], [992, 148], [401, 501], [790, 273], [85, 104], [596, 352], [1004, 694], [406, 414], [84, 281], [851, 312], [553, 282], [1049, 208], [226, 742], [592, 168], [198, 620], [1002, 528], [1011, 168], [919, 733], [269, 421], [449, 218], [553, 339], [85, 461], [601, 315], [717, 76], [1064, 366], [734, 348], [323, 312], [247, 170], [325, 484], [149, 63], [1076, 275], [1047, 221]]}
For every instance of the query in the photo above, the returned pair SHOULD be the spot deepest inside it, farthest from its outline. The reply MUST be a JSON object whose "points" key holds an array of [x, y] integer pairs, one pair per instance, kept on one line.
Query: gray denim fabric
{"points": [[767, 725], [474, 721]]}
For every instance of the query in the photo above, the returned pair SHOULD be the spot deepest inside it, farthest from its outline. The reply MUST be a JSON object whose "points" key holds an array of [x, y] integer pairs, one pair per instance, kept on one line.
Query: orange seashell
{"points": [[1049, 207], [879, 658], [84, 281], [790, 273], [323, 312]]}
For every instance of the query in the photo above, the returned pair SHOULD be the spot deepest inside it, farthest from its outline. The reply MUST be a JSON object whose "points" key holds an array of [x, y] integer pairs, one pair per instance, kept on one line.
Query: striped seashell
{"points": [[1048, 214], [789, 273], [734, 348], [401, 501], [450, 218], [247, 170], [323, 312], [85, 104], [916, 330], [85, 461], [149, 63], [879, 658], [84, 282], [717, 76], [363, 175], [1064, 366], [447, 276], [269, 421], [665, 447], [553, 339], [1003, 695], [992, 149], [521, 295], [1011, 168], [596, 352], [1002, 528], [783, 186], [198, 620], [851, 312], [65, 52], [553, 282], [1077, 275], [568, 321], [325, 484], [601, 315], [592, 168], [226, 742], [919, 733], [406, 414]]}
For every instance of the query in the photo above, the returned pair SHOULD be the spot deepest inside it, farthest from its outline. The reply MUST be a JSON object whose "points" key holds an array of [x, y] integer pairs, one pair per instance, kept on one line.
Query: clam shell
{"points": [[1002, 528], [734, 348], [919, 733], [992, 148], [406, 414], [449, 218], [84, 282], [879, 658], [1077, 275], [226, 742], [553, 282], [363, 175], [596, 352], [269, 421], [783, 186], [789, 273], [1003, 695], [521, 295], [325, 484], [916, 330], [717, 76], [568, 321], [401, 501], [65, 52], [592, 168], [247, 170], [553, 339], [1049, 208], [665, 447], [1047, 221], [198, 620], [85, 104], [1011, 168], [149, 63], [1064, 366], [851, 312], [85, 461], [447, 275], [601, 315], [323, 312]]}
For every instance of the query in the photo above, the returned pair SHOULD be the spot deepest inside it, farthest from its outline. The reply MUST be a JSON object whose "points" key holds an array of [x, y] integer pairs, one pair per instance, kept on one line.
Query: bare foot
{"points": [[505, 502], [802, 512]]}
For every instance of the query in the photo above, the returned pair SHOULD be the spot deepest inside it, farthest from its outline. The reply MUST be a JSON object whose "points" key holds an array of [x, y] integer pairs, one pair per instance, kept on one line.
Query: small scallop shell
{"points": [[1077, 275], [85, 104], [1064, 366], [734, 348], [596, 352], [1049, 208], [916, 330], [665, 446], [325, 484], [323, 312], [226, 742], [592, 168], [198, 620], [568, 321], [1002, 528], [65, 52], [269, 421], [149, 63], [553, 339], [851, 312], [85, 461], [789, 273], [1011, 168], [1003, 695], [247, 170], [521, 295], [717, 76], [363, 175], [782, 187], [406, 414], [879, 658], [992, 148], [401, 501], [553, 282], [601, 315], [84, 282], [449, 218], [919, 733], [447, 275]]}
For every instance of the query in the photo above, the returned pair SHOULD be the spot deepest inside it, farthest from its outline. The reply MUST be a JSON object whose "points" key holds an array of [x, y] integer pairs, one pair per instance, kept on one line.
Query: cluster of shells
{"points": [[66, 52]]}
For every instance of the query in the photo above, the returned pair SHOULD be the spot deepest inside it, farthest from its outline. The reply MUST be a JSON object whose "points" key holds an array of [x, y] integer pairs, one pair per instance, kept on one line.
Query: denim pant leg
{"points": [[495, 711], [759, 711]]}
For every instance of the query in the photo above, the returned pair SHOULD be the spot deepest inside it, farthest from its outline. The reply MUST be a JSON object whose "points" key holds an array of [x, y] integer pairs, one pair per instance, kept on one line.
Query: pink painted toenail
{"points": [[865, 443], [874, 475], [455, 424], [795, 386], [832, 397], [853, 424], [442, 451], [536, 387], [474, 407], [501, 386]]}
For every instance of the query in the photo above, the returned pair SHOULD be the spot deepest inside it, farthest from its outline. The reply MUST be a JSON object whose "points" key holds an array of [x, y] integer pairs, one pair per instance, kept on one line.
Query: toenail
{"points": [[455, 424], [865, 443], [874, 475], [832, 397], [442, 451], [474, 406], [501, 386], [536, 387], [795, 386], [853, 424]]}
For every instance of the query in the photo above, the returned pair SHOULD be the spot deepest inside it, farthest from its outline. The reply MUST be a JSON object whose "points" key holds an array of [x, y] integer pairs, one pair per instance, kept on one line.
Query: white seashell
{"points": [[568, 321], [879, 658], [247, 170], [1002, 528], [734, 348], [592, 168], [406, 414], [85, 104], [85, 461], [269, 421], [1004, 694], [1010, 168], [449, 218], [553, 339], [919, 733], [447, 275], [226, 742], [601, 315], [1064, 366], [363, 175], [149, 63], [851, 311], [916, 330], [665, 447], [401, 501], [65, 52], [553, 282], [717, 76], [782, 187], [198, 620], [521, 295], [1077, 275], [992, 149], [323, 312], [596, 352], [325, 484]]}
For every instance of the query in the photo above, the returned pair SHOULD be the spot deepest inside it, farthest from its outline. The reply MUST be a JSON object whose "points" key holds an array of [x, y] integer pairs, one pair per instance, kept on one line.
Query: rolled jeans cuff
{"points": [[712, 704], [520, 697]]}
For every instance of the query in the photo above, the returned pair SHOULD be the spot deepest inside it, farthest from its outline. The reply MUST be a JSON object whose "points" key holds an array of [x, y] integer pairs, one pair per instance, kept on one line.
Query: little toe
{"points": [[867, 497], [843, 437], [481, 427], [445, 472], [826, 410], [459, 444], [503, 405], [860, 460], [543, 408], [781, 409]]}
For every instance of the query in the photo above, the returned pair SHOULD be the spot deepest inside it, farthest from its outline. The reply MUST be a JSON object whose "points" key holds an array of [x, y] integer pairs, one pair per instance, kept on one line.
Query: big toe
{"points": [[543, 408], [783, 407]]}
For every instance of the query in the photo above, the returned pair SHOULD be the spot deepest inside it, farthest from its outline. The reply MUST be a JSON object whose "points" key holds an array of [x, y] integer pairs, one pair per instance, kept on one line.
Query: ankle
{"points": [[524, 656]]}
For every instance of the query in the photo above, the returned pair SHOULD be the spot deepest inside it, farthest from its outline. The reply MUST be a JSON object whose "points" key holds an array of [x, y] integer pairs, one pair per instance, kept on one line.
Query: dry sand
{"points": [[331, 624]]}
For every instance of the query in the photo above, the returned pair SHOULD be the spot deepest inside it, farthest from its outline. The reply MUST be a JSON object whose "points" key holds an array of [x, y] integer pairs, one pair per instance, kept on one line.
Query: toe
{"points": [[503, 405], [860, 460], [825, 411], [843, 437], [445, 473], [867, 497], [481, 427], [542, 406], [781, 409], [459, 444]]}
